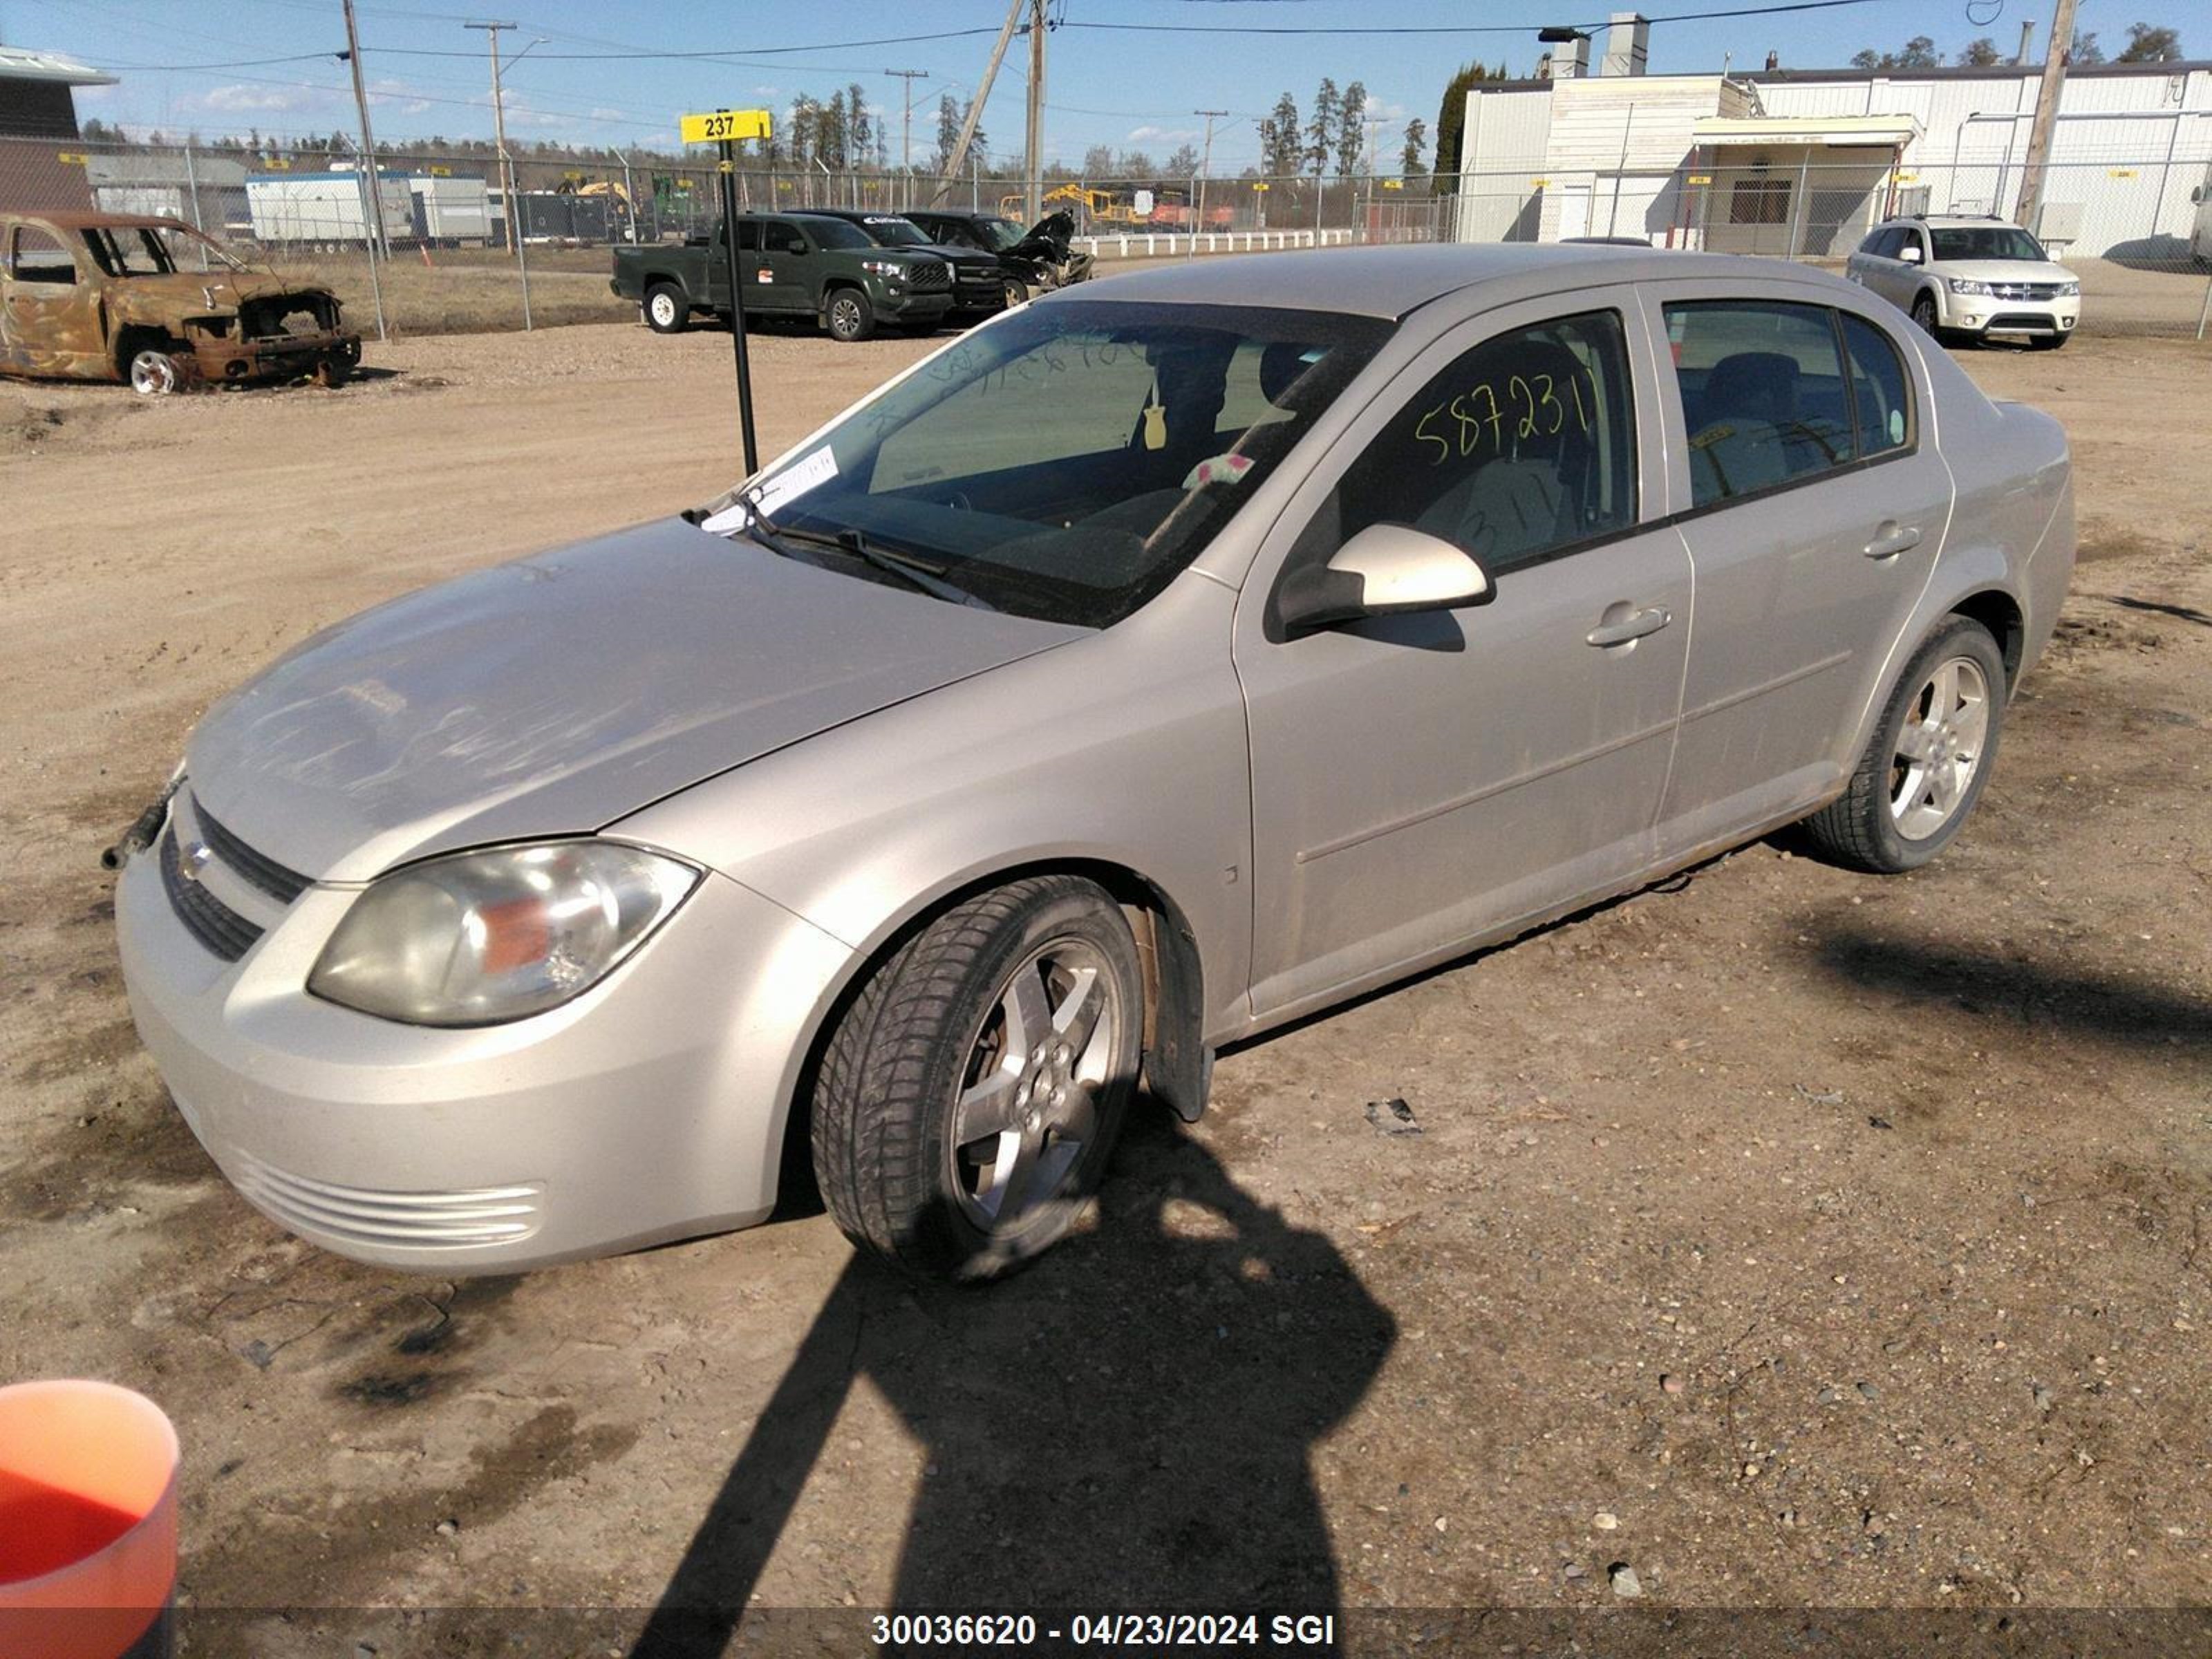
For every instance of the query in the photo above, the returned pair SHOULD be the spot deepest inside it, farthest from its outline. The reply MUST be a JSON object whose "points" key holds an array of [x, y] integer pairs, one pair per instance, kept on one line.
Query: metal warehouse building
{"points": [[1802, 162]]}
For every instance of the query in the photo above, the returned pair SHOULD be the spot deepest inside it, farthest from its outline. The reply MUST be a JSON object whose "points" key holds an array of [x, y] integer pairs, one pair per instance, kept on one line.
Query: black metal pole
{"points": [[738, 304]]}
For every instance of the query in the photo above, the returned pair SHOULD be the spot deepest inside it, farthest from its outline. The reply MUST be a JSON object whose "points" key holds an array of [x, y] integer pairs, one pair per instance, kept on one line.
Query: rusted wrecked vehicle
{"points": [[152, 302]]}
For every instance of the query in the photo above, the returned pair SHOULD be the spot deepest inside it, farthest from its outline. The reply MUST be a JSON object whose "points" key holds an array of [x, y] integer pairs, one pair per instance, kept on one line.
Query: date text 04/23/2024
{"points": [[1104, 1630]]}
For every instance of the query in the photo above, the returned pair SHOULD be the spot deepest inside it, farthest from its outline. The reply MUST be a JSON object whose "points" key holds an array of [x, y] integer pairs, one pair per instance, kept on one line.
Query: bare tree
{"points": [[2085, 49]]}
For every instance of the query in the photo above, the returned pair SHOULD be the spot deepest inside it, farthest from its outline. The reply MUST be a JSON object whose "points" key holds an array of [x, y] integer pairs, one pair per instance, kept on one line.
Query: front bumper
{"points": [[1977, 313], [907, 305], [651, 1108], [282, 358]]}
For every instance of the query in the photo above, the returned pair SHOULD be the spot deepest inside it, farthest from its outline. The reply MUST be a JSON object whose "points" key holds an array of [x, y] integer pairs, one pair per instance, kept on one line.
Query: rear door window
{"points": [[1881, 393], [1763, 396], [37, 256]]}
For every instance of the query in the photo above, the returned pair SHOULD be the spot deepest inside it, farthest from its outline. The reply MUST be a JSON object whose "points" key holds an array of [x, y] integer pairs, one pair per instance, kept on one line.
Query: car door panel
{"points": [[1420, 781], [1803, 589], [49, 327]]}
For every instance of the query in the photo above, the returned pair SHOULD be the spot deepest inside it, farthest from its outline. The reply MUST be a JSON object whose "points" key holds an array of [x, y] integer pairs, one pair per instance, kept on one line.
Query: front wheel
{"points": [[1928, 759], [2047, 342], [969, 1098], [850, 317], [1923, 313], [1017, 292], [154, 373], [666, 310]]}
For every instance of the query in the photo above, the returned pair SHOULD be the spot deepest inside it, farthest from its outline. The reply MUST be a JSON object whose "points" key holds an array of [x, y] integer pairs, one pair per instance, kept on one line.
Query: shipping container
{"points": [[325, 207]]}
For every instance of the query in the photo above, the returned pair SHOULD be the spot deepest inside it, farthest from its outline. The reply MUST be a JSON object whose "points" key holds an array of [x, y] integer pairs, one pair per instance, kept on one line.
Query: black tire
{"points": [[1017, 292], [1860, 829], [847, 315], [1923, 313], [2047, 342], [665, 309], [930, 1028]]}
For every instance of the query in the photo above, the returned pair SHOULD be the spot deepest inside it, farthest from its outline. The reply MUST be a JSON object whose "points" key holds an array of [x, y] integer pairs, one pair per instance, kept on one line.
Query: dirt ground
{"points": [[1775, 1238]]}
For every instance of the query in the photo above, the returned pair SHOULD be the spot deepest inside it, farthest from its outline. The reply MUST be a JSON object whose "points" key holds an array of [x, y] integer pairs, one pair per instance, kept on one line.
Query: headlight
{"points": [[1961, 285], [482, 938], [2069, 290], [890, 268]]}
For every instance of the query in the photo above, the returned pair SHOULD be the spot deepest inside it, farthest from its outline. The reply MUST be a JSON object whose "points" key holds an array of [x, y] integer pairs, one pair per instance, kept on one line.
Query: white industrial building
{"points": [[1802, 162]]}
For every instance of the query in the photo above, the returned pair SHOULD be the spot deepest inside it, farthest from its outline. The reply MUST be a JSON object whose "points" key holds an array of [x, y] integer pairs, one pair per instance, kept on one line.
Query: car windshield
{"points": [[893, 232], [1987, 242], [153, 250], [838, 233], [1067, 462], [1001, 236]]}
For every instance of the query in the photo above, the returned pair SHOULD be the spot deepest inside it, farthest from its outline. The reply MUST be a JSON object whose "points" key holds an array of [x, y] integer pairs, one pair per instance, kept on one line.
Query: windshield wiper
{"points": [[920, 574]]}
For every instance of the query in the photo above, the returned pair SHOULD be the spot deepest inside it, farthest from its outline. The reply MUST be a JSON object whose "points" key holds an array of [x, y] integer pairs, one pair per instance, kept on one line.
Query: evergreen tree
{"points": [[1281, 146], [1321, 127], [1409, 158], [1350, 129]]}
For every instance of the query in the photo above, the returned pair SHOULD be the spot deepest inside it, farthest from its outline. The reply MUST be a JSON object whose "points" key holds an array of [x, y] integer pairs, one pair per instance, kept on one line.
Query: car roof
{"points": [[1951, 221], [81, 219], [1393, 282]]}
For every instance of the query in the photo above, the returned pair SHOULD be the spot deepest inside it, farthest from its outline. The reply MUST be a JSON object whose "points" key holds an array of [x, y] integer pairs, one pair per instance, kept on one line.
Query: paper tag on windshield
{"points": [[795, 480]]}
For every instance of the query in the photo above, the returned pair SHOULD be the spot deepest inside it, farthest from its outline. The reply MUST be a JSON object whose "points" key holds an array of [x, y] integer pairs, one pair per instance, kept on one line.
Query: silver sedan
{"points": [[1168, 659]]}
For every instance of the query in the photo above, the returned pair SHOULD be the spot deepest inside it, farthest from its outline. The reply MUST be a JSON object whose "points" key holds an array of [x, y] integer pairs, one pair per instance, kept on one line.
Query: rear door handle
{"points": [[1892, 540], [1634, 626]]}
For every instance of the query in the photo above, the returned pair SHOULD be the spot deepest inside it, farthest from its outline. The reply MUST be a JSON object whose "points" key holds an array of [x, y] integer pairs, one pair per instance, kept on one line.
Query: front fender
{"points": [[1124, 751]]}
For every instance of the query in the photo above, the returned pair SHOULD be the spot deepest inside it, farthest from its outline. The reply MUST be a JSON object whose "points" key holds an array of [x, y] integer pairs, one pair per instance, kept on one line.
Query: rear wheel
{"points": [[1928, 759], [971, 1096], [849, 315], [154, 373], [667, 311]]}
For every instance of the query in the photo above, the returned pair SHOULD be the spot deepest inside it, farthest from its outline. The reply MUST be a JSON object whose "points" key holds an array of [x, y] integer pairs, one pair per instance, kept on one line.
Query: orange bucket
{"points": [[87, 1522]]}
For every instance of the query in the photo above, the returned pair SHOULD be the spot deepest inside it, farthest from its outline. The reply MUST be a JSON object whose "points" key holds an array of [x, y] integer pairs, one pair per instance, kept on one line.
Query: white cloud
{"points": [[1149, 135], [242, 99]]}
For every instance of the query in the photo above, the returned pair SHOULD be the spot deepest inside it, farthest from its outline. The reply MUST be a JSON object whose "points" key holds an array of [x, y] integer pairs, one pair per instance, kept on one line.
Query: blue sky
{"points": [[1104, 85]]}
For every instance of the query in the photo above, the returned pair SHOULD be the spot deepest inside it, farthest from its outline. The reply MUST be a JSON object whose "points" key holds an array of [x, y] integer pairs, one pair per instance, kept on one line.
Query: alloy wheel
{"points": [[1939, 748], [1028, 1109], [154, 374]]}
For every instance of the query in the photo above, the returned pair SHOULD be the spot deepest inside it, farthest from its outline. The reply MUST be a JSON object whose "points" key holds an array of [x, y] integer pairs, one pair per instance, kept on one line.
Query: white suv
{"points": [[1970, 275]]}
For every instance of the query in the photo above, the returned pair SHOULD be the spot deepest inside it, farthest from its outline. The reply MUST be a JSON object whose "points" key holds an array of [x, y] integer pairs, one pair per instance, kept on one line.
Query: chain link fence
{"points": [[2137, 231], [461, 241], [457, 242]]}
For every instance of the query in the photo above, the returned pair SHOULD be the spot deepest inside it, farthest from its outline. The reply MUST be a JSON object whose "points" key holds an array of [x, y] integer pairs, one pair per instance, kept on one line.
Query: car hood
{"points": [[554, 695], [193, 292], [2005, 271]]}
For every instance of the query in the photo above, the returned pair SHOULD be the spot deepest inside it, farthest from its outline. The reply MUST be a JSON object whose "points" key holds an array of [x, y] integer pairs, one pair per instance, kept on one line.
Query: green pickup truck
{"points": [[792, 266]]}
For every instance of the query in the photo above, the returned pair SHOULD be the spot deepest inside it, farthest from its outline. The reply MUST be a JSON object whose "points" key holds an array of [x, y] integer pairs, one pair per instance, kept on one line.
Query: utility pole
{"points": [[1035, 167], [1204, 170], [506, 161], [372, 201], [976, 105], [906, 140], [2056, 46]]}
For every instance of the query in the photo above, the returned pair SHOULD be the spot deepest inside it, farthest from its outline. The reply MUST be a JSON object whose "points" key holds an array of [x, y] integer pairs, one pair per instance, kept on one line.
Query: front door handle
{"points": [[1633, 626], [1892, 540]]}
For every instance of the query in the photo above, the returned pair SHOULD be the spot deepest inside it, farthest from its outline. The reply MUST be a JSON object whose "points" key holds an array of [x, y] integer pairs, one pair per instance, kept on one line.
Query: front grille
{"points": [[207, 918], [2019, 322], [271, 878], [2024, 290], [483, 1215], [931, 276]]}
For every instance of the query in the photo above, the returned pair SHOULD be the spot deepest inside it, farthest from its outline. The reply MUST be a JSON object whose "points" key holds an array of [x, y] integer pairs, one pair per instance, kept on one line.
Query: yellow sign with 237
{"points": [[722, 126]]}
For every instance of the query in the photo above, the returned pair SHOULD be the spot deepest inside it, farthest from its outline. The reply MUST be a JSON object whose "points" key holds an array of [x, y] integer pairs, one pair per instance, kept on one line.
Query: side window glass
{"points": [[1526, 444], [748, 236], [1881, 396], [785, 238], [1888, 242], [37, 256], [1763, 396]]}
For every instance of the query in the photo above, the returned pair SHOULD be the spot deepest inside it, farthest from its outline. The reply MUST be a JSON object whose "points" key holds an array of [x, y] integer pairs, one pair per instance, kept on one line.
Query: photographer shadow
{"points": [[1127, 1425]]}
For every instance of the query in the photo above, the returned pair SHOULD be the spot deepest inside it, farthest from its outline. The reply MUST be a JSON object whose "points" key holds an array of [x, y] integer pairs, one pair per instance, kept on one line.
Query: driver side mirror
{"points": [[1386, 570], [1910, 253]]}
